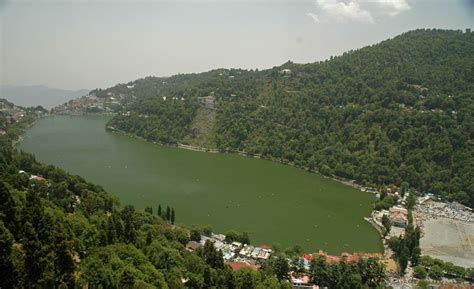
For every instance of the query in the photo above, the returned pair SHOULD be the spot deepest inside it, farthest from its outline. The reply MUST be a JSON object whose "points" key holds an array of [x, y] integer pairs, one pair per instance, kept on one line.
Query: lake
{"points": [[275, 203]]}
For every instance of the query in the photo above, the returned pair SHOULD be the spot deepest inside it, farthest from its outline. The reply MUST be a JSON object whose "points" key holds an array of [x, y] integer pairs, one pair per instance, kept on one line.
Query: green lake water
{"points": [[273, 202]]}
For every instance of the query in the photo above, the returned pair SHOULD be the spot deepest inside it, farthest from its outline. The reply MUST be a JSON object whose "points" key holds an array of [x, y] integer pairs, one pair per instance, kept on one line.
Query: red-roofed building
{"points": [[456, 286], [308, 257], [265, 246], [236, 266], [349, 258], [346, 257], [37, 178]]}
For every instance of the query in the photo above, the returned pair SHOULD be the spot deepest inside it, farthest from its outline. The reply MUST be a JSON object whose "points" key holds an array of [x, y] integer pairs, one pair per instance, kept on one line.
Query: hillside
{"points": [[400, 111], [38, 95]]}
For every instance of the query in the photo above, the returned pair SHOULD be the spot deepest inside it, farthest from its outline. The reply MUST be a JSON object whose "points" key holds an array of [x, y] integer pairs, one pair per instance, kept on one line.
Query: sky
{"points": [[77, 44]]}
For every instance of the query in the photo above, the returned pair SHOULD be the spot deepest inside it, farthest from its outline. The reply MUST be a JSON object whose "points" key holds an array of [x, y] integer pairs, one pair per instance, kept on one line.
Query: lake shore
{"points": [[253, 192], [347, 182]]}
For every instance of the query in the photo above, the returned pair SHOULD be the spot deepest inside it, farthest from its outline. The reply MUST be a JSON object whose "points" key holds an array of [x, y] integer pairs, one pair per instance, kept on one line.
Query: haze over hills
{"points": [[35, 95], [396, 112]]}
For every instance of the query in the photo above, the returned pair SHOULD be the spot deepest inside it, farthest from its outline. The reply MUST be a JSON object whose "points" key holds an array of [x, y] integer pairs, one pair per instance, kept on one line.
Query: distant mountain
{"points": [[38, 95]]}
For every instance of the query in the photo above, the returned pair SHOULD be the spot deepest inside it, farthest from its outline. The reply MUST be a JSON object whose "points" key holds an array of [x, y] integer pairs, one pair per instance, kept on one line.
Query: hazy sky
{"points": [[75, 44]]}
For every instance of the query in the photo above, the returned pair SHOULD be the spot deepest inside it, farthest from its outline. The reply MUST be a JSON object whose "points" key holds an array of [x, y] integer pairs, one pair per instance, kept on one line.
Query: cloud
{"points": [[345, 11], [313, 16], [393, 7]]}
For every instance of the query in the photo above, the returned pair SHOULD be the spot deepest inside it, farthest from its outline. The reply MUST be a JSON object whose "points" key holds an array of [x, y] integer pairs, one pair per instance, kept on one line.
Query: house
{"points": [[346, 257], [219, 237], [36, 178], [285, 71], [398, 216], [207, 101], [2, 132], [192, 246], [236, 266]]}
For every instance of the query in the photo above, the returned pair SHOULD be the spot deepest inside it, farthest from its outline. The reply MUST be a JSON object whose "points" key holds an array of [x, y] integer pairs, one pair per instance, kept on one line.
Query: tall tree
{"points": [[168, 213], [387, 224], [172, 218], [8, 279], [128, 217], [160, 213]]}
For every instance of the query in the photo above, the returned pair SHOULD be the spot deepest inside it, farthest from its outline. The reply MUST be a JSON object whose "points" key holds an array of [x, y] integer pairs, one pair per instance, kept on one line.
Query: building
{"points": [[192, 246], [207, 101], [36, 178], [346, 257], [236, 266], [398, 216]]}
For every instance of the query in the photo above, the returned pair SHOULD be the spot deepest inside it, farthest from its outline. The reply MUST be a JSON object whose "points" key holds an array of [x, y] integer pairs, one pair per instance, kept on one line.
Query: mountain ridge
{"points": [[393, 112]]}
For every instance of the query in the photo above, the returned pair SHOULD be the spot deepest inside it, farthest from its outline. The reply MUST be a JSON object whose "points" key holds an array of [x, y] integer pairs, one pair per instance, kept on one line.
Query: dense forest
{"points": [[398, 111], [59, 231]]}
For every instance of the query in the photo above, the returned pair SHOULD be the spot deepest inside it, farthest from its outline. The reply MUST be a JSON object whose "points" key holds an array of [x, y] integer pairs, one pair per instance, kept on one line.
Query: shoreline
{"points": [[199, 149], [347, 182]]}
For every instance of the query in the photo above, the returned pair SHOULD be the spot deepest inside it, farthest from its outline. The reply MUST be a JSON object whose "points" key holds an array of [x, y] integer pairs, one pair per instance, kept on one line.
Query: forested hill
{"points": [[398, 111]]}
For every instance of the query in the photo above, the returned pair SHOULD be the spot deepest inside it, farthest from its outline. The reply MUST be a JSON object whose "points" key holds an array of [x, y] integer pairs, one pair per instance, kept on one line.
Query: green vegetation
{"points": [[361, 274], [436, 269], [407, 247], [63, 232], [392, 113]]}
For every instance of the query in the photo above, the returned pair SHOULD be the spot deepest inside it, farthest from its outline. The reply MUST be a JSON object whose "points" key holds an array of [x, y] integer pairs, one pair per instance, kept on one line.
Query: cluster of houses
{"points": [[235, 254], [90, 104], [239, 256], [435, 209], [9, 114]]}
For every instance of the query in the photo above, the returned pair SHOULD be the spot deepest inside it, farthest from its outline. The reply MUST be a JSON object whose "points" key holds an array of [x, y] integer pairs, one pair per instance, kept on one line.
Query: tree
{"points": [[149, 210], [411, 201], [172, 218], [403, 188], [7, 207], [422, 284], [168, 213], [195, 235], [436, 272], [245, 238], [319, 271], [63, 248], [160, 213], [280, 268], [403, 258], [232, 236], [111, 231], [420, 272], [128, 217], [8, 279], [127, 280], [387, 224]]}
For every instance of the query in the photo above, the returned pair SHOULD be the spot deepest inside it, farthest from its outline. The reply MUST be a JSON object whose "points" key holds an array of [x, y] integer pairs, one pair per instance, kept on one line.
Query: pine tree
{"points": [[6, 265], [160, 213], [172, 216], [7, 207], [128, 217], [111, 231], [168, 213]]}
